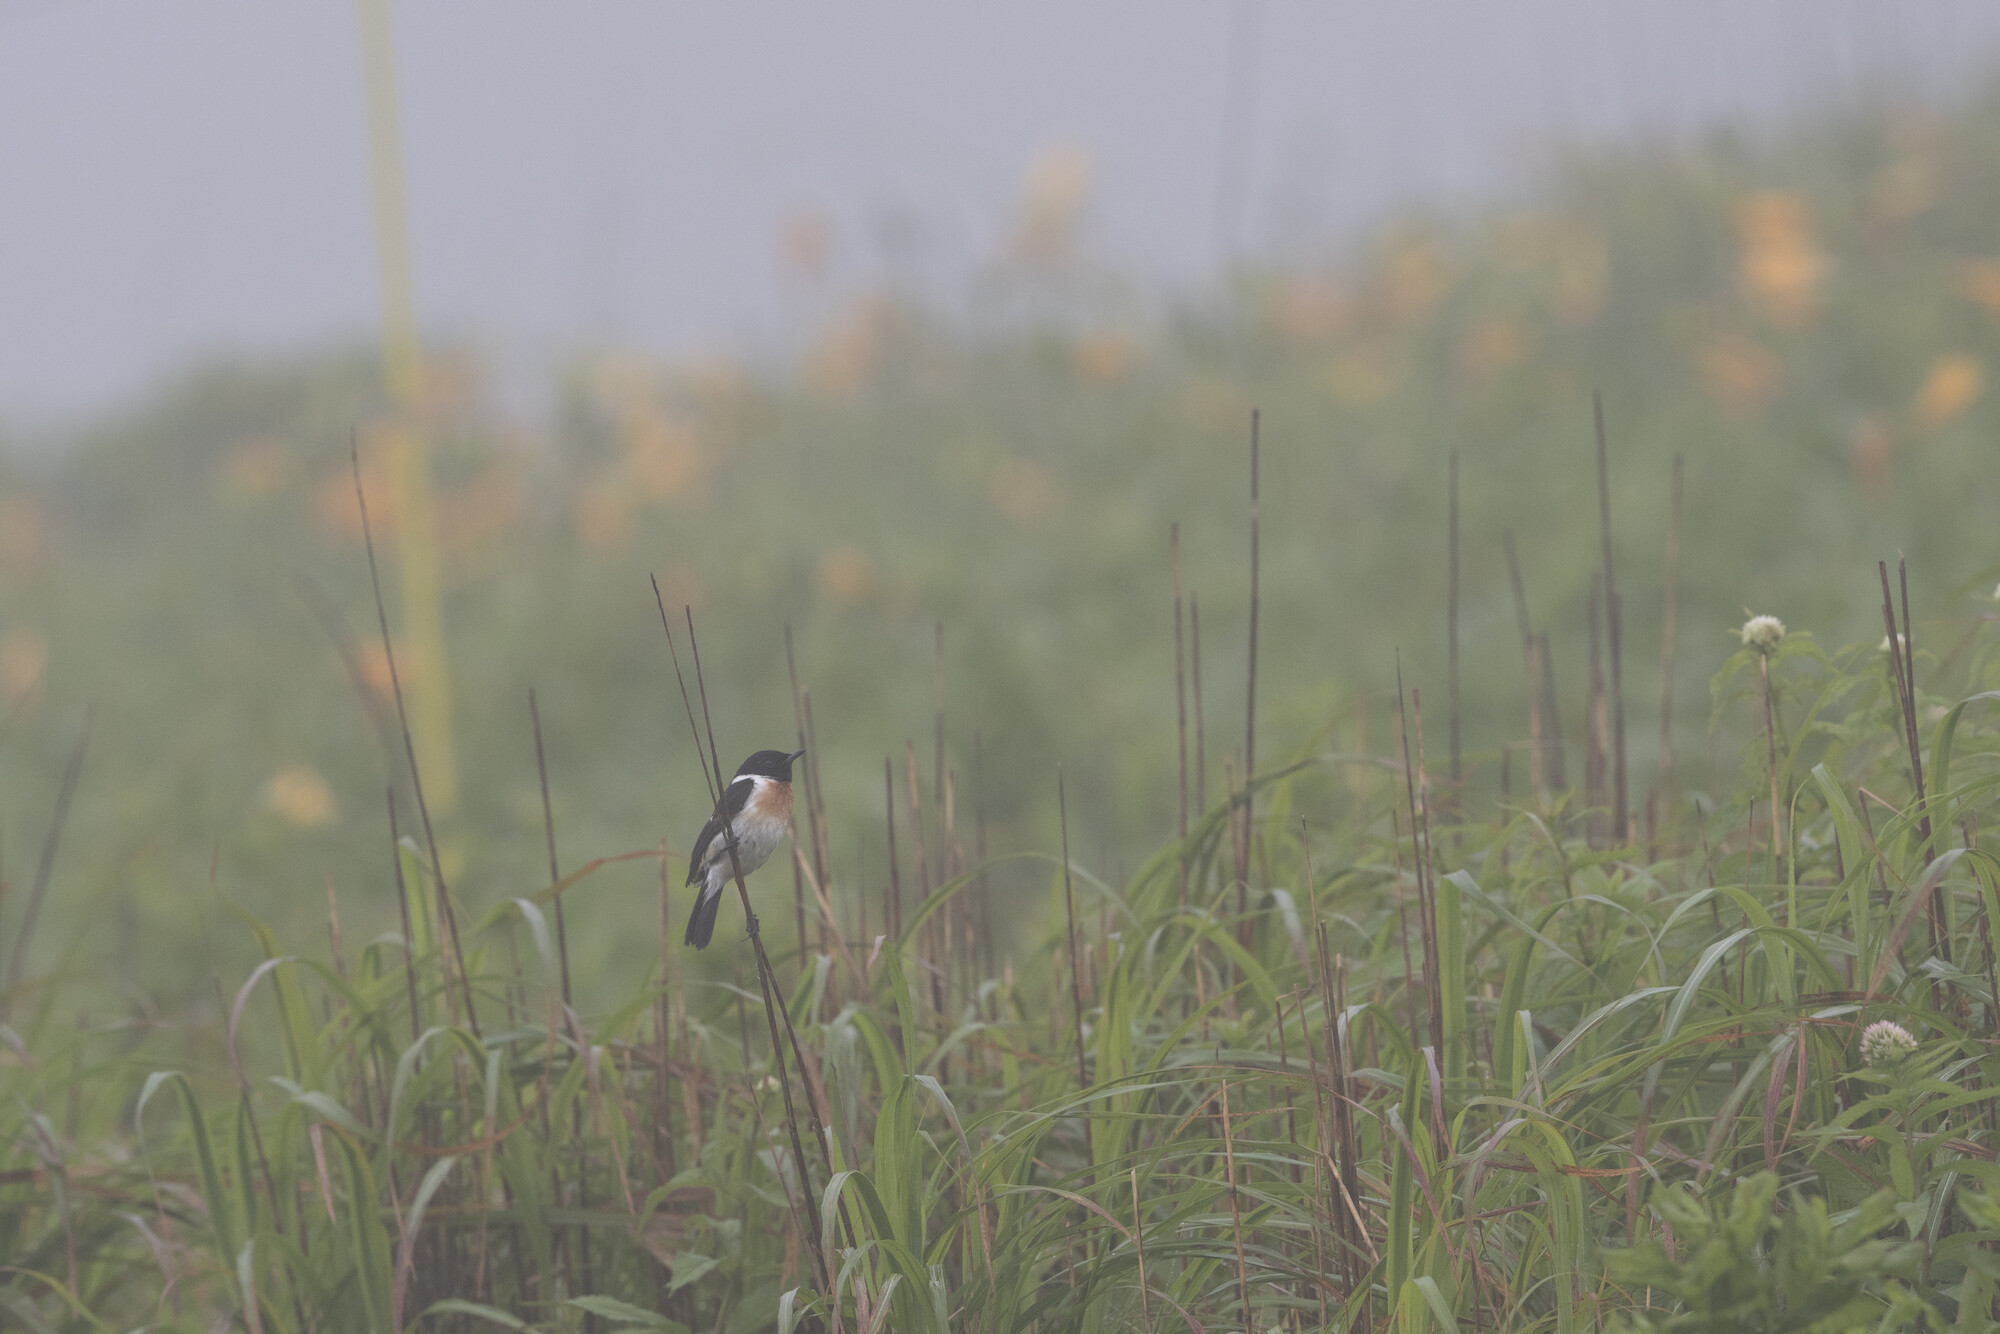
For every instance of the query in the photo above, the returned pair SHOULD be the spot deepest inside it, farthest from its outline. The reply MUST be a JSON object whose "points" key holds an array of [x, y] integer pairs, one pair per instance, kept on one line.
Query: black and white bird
{"points": [[757, 807]]}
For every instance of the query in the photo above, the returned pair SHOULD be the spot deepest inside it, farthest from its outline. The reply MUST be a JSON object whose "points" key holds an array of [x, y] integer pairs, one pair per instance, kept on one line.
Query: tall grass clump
{"points": [[1359, 1046]]}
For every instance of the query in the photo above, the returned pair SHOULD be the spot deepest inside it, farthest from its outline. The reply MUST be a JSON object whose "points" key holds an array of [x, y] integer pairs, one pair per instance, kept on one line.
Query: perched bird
{"points": [[757, 807]]}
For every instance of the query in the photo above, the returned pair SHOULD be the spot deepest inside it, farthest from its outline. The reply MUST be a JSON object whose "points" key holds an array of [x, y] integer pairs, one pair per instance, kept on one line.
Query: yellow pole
{"points": [[428, 675]]}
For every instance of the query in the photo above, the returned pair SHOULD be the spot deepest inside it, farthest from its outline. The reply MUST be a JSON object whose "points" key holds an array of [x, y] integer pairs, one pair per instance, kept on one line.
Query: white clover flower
{"points": [[1883, 647], [1885, 1042], [1763, 633], [1996, 593]]}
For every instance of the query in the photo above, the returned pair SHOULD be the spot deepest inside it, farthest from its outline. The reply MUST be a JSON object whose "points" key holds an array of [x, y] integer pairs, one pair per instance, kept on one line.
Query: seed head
{"points": [[1763, 633], [1886, 1042]]}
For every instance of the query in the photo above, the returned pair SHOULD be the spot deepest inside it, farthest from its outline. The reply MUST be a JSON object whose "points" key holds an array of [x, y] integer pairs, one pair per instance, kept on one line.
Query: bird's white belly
{"points": [[757, 836]]}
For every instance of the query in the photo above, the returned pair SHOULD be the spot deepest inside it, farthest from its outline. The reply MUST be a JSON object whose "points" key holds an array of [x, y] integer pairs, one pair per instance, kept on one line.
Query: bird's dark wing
{"points": [[734, 798]]}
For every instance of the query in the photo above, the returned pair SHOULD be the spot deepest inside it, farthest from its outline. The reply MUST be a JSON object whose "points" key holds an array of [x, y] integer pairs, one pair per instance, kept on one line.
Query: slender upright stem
{"points": [[930, 932], [1620, 824], [562, 956], [1235, 1211], [1771, 751], [1556, 768], [1180, 703], [1451, 623], [1200, 731], [1426, 922], [45, 867], [1671, 594], [941, 874], [1595, 724], [1537, 767], [403, 906], [1069, 908], [410, 748], [1902, 661], [1139, 1245], [798, 874], [816, 816], [1250, 694], [979, 848]]}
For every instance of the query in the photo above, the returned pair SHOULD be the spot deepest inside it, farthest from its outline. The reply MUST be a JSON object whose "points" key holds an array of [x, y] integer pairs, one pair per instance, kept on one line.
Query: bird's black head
{"points": [[769, 764]]}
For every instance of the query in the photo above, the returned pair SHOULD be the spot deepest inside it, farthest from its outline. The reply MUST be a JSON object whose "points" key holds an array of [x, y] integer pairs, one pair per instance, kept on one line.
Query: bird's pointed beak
{"points": [[795, 754]]}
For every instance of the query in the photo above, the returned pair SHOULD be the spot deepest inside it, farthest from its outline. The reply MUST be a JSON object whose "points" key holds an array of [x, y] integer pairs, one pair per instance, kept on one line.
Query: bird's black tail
{"points": [[701, 922]]}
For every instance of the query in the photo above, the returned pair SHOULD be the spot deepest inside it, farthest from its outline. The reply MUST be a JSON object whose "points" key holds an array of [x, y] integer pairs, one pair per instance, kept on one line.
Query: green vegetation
{"points": [[1366, 1046], [1342, 1069]]}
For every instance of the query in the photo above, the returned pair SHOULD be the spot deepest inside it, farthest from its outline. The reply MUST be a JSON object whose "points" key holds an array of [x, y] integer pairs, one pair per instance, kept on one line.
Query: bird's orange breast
{"points": [[771, 800]]}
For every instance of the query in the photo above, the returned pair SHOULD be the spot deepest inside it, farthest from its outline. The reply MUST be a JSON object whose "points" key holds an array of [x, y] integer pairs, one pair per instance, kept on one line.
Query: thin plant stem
{"points": [[1537, 768], [798, 873], [45, 866], [410, 751], [1200, 731], [1069, 909], [1139, 1245], [1235, 1211], [1670, 595], [1778, 858], [582, 1235], [1180, 705], [1620, 821], [1451, 622]]}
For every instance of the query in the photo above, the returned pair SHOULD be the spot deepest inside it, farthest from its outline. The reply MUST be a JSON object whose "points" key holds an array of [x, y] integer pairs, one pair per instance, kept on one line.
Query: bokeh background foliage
{"points": [[1808, 320]]}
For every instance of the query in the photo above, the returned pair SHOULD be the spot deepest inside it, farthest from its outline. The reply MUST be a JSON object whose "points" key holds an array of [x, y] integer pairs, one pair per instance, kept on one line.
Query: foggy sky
{"points": [[187, 179]]}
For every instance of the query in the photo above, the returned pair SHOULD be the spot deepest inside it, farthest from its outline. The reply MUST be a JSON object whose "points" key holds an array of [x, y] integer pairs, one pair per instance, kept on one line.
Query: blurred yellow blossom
{"points": [[24, 656], [1023, 490], [333, 496], [1868, 448], [254, 468], [1413, 279], [845, 573], [374, 665], [1052, 200], [1366, 374], [1781, 266], [601, 512], [1490, 346], [848, 353], [1582, 266], [681, 586], [1102, 356], [1564, 260], [1979, 281], [1954, 382], [1739, 372], [662, 454], [298, 795], [1309, 306], [21, 533]]}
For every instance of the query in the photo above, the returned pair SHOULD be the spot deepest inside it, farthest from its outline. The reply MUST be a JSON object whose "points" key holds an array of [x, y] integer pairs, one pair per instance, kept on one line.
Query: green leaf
{"points": [[453, 1306], [626, 1315], [689, 1267]]}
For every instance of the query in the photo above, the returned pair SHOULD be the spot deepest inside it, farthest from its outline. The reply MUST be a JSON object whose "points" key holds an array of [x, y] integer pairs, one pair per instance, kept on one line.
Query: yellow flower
{"points": [[298, 795]]}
